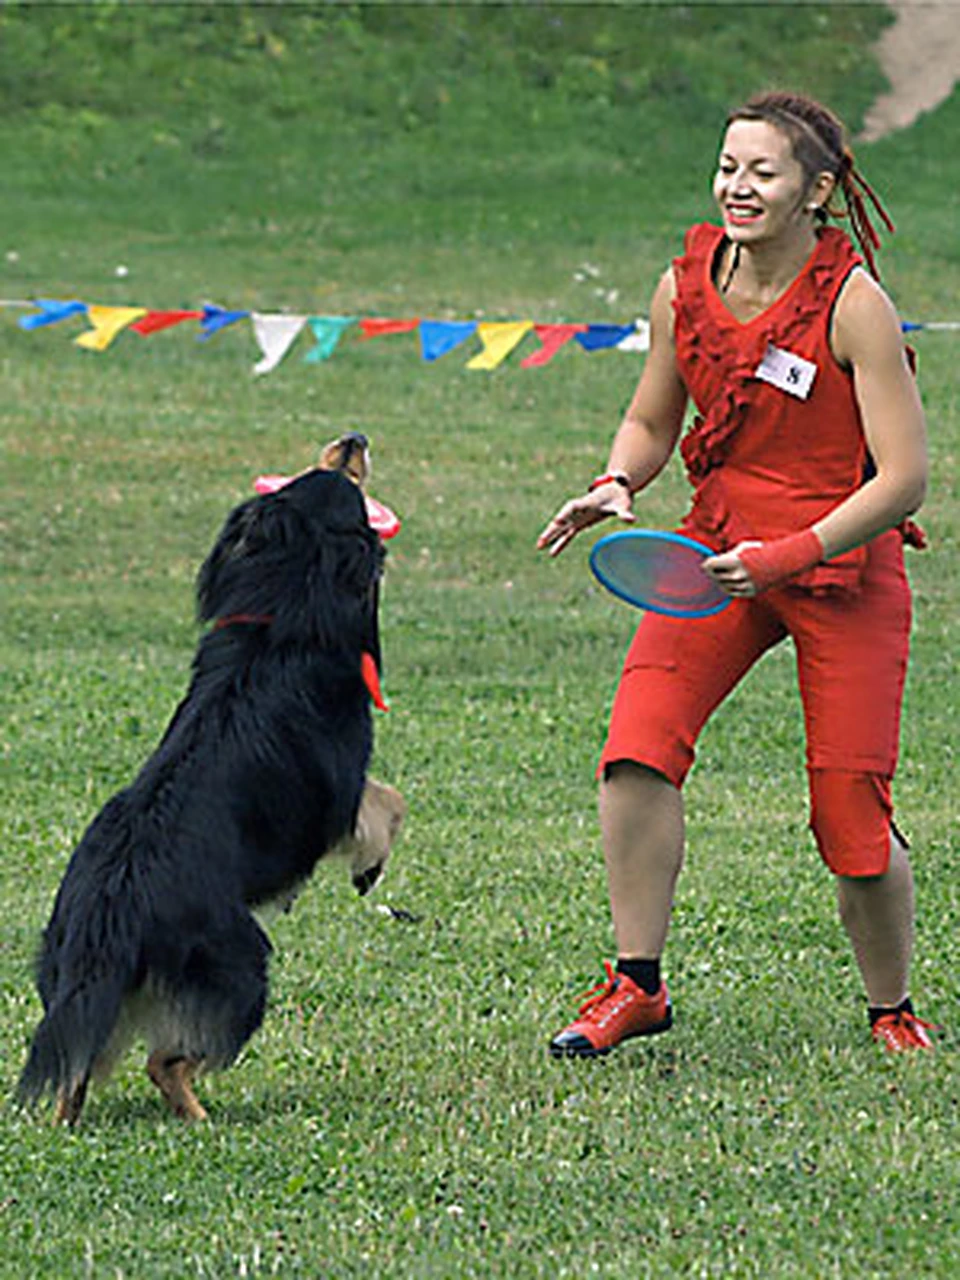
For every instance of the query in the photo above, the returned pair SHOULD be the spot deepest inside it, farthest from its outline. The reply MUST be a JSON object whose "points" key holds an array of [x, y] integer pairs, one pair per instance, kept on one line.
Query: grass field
{"points": [[399, 1115]]}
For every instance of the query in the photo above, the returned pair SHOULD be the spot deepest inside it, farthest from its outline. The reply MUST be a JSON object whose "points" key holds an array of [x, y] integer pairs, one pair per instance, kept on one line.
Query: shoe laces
{"points": [[597, 995], [902, 1028]]}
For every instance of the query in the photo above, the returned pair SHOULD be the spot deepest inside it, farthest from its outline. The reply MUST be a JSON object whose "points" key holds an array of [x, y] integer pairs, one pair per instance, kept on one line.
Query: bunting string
{"points": [[276, 333]]}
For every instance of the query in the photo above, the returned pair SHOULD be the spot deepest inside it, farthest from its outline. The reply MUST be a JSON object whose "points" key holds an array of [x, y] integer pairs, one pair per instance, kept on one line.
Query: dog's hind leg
{"points": [[205, 1024], [173, 1075], [70, 1100]]}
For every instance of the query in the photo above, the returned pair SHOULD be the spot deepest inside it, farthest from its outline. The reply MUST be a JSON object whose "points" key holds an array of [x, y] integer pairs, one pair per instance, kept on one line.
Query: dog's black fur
{"points": [[259, 774]]}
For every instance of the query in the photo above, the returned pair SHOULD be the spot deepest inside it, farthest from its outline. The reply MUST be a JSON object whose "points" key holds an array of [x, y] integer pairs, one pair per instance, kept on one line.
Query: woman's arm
{"points": [[867, 338], [646, 436]]}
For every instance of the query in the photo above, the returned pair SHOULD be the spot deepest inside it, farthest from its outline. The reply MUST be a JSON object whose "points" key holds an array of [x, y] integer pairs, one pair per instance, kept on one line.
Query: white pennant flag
{"points": [[275, 335], [639, 340]]}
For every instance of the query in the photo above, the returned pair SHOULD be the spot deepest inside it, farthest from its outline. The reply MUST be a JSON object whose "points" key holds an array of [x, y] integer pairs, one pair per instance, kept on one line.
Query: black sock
{"points": [[645, 973], [877, 1011]]}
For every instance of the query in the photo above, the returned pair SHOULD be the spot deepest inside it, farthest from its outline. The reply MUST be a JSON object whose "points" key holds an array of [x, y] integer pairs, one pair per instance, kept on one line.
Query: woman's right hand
{"points": [[609, 499]]}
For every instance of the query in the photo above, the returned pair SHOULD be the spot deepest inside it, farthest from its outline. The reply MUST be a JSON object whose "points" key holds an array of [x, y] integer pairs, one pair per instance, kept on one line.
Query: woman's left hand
{"points": [[729, 573]]}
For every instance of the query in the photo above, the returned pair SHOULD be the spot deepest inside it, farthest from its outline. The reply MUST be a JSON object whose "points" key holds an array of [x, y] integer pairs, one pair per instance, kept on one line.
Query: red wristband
{"points": [[609, 477], [774, 562]]}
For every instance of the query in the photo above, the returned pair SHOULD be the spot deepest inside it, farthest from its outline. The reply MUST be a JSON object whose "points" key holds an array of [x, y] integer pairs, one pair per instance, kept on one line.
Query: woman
{"points": [[806, 461]]}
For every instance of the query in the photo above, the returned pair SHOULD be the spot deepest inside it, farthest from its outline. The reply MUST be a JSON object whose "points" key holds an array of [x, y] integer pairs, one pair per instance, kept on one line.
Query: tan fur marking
{"points": [[70, 1100], [348, 454], [174, 1079]]}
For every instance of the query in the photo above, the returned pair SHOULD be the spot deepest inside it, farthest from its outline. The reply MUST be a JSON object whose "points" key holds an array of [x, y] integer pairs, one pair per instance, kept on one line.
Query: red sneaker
{"points": [[901, 1030], [614, 1011]]}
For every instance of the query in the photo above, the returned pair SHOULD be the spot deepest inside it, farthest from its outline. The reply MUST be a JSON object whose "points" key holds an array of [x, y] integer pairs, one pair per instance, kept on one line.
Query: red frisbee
{"points": [[270, 484], [382, 519]]}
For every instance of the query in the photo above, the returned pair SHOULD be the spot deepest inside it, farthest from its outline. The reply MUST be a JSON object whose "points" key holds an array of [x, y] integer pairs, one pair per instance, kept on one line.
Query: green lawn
{"points": [[399, 1115]]}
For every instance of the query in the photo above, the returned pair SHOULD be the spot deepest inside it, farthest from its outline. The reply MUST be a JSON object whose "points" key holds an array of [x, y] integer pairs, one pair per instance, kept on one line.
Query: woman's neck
{"points": [[764, 271]]}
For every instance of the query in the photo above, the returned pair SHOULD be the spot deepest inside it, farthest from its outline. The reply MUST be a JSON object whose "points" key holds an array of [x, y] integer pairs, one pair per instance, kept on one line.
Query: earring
{"points": [[813, 207]]}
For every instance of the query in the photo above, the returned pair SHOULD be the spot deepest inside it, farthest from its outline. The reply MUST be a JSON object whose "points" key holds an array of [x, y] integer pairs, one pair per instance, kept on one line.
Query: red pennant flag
{"points": [[552, 337], [154, 321], [382, 328]]}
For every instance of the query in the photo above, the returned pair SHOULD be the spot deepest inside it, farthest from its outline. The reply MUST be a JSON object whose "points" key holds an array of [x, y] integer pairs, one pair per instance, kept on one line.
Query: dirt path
{"points": [[920, 54]]}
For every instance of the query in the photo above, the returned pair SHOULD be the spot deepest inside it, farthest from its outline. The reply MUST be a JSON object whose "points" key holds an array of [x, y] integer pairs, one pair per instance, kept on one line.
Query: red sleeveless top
{"points": [[765, 462]]}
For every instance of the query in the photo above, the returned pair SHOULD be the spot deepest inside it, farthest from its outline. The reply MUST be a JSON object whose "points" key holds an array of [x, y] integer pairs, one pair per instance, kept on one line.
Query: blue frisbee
{"points": [[660, 571]]}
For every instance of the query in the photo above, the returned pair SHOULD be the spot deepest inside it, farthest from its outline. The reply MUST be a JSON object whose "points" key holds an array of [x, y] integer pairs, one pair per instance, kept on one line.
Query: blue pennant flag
{"points": [[598, 336], [216, 318], [51, 312], [437, 337]]}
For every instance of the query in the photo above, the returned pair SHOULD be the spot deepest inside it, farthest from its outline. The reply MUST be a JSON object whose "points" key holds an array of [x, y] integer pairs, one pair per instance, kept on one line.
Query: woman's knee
{"points": [[851, 819], [634, 773]]}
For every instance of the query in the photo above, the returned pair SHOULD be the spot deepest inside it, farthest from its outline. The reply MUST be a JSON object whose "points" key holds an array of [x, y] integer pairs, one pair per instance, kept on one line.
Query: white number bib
{"points": [[786, 372]]}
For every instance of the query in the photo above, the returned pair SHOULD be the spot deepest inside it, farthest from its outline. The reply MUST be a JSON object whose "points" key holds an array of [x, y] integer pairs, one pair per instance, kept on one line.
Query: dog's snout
{"points": [[349, 454]]}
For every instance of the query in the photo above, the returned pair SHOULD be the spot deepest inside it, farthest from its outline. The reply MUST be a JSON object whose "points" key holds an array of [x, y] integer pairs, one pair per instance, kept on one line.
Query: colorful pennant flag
{"points": [[552, 338], [437, 337], [597, 337], [107, 323], [216, 318], [372, 328], [51, 313], [499, 338], [155, 321], [638, 340], [275, 335], [327, 330]]}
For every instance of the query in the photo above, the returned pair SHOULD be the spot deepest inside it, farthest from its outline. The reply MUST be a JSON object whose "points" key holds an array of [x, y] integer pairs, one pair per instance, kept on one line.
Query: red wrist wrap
{"points": [[774, 562], [607, 478]]}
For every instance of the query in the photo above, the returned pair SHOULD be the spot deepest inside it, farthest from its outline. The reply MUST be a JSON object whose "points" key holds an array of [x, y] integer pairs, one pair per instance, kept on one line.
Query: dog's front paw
{"points": [[365, 881], [382, 810]]}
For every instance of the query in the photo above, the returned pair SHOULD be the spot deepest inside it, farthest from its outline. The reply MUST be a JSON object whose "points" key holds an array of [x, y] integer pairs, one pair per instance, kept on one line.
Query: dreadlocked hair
{"points": [[819, 143]]}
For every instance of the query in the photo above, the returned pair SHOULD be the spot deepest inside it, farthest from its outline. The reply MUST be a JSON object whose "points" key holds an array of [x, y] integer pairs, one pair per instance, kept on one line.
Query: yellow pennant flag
{"points": [[107, 323], [499, 339]]}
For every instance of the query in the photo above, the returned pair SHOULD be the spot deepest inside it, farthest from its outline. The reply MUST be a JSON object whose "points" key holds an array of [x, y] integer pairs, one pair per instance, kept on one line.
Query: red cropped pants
{"points": [[851, 660]]}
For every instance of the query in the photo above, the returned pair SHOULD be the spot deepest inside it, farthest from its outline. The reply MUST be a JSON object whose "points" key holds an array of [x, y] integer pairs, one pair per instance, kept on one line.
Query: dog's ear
{"points": [[306, 558], [255, 533]]}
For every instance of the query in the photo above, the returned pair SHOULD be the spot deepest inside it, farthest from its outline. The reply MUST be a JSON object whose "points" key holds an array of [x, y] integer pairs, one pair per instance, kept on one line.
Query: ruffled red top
{"points": [[763, 462]]}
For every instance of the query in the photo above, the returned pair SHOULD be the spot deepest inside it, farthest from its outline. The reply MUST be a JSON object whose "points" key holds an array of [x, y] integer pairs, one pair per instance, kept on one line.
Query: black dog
{"points": [[259, 774]]}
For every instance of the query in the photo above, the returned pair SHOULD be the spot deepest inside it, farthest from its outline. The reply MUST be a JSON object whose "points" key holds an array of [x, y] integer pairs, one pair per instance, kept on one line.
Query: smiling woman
{"points": [[805, 135], [807, 454], [759, 187]]}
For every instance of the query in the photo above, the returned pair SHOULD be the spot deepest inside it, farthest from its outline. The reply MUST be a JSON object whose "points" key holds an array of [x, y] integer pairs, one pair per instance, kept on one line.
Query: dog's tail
{"points": [[87, 963], [73, 1034]]}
